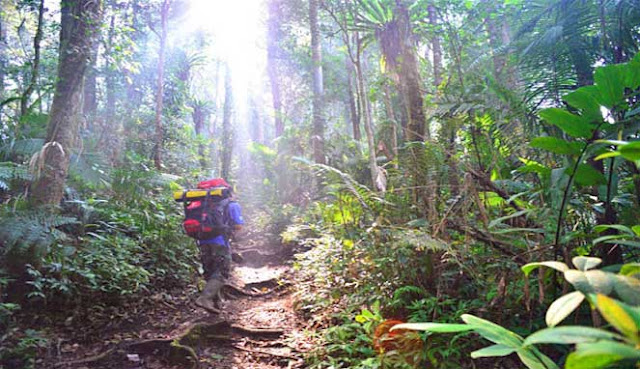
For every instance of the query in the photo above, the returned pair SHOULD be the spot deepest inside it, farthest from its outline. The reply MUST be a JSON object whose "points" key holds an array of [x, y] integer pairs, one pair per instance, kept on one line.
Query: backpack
{"points": [[206, 211]]}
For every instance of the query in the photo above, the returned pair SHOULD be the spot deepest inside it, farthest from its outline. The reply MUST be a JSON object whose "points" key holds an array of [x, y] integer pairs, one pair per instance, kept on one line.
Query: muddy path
{"points": [[256, 328]]}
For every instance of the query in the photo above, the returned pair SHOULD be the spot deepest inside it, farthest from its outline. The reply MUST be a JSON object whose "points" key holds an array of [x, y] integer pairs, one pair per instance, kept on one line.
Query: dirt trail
{"points": [[257, 326]]}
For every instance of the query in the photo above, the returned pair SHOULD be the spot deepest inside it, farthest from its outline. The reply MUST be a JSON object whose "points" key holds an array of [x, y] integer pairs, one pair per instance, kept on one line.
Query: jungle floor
{"points": [[256, 327]]}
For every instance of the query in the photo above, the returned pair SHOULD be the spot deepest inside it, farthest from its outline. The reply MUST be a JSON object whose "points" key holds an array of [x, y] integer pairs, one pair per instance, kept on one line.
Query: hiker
{"points": [[211, 217]]}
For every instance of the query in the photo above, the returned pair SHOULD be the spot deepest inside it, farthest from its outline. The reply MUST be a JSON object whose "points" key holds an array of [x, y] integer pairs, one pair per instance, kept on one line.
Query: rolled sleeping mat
{"points": [[192, 195]]}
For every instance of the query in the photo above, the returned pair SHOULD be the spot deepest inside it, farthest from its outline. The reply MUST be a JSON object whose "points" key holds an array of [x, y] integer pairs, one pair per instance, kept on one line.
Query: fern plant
{"points": [[27, 235], [11, 171]]}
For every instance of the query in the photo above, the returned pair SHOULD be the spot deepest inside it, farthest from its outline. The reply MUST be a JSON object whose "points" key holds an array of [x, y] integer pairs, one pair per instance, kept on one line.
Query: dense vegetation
{"points": [[449, 163]]}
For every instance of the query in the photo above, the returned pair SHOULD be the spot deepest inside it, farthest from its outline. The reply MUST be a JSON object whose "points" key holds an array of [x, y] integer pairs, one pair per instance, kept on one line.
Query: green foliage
{"points": [[20, 349]]}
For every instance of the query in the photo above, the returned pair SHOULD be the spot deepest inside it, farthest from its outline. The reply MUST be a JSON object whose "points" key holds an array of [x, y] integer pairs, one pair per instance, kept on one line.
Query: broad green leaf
{"points": [[600, 355], [562, 307], [585, 263], [561, 267], [571, 124], [532, 166], [587, 99], [630, 269], [636, 229], [624, 242], [534, 359], [632, 74], [591, 281], [611, 84], [493, 332], [557, 145], [434, 327], [618, 227], [492, 351], [628, 289], [606, 155], [630, 151], [589, 176], [570, 335], [608, 238], [614, 313]]}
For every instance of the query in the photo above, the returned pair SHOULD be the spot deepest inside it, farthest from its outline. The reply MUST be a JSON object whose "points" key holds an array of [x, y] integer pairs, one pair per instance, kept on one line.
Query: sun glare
{"points": [[237, 29]]}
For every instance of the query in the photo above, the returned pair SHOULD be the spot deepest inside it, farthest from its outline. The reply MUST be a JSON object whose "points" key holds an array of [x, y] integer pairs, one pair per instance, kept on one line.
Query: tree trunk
{"points": [[3, 61], [435, 47], [227, 133], [80, 22], [361, 85], [355, 118], [317, 85], [199, 116], [35, 67], [90, 90], [391, 116], [273, 58], [164, 14], [111, 124], [409, 75]]}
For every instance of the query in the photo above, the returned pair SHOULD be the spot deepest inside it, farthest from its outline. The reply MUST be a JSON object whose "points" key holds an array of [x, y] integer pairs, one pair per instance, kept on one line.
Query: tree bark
{"points": [[435, 47], [164, 14], [112, 125], [273, 58], [227, 133], [373, 165], [3, 61], [355, 118], [409, 75], [199, 116], [80, 22], [317, 85], [391, 116], [35, 67]]}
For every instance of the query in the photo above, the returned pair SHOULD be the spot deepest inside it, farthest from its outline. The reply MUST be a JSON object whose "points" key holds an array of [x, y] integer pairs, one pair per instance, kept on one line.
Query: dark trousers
{"points": [[216, 260]]}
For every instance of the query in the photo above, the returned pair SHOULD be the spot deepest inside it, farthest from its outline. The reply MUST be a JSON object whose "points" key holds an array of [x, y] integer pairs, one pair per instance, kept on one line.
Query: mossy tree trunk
{"points": [[80, 22]]}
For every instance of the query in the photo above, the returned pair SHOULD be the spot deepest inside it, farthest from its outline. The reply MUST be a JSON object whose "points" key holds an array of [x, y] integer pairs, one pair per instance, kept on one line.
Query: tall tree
{"points": [[200, 116], [164, 20], [353, 110], [3, 61], [273, 59], [80, 22], [436, 48], [35, 64], [397, 46], [227, 130], [317, 84]]}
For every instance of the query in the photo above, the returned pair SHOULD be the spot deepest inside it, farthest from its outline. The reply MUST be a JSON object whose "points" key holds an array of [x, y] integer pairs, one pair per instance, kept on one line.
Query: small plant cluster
{"points": [[100, 250], [595, 347]]}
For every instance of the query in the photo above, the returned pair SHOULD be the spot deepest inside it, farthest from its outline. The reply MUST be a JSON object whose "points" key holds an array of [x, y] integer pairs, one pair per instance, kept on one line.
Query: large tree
{"points": [[80, 22], [274, 55], [317, 85], [35, 64], [227, 129], [164, 19]]}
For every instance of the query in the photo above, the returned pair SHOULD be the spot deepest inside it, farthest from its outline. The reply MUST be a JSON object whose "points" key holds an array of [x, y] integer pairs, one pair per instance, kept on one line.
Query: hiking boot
{"points": [[206, 300]]}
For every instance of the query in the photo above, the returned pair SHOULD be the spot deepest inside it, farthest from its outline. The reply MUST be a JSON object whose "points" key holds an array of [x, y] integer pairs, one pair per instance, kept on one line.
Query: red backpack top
{"points": [[211, 183]]}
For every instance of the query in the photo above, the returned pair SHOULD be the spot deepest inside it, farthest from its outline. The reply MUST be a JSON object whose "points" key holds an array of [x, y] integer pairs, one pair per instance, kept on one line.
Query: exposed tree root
{"points": [[266, 353], [179, 349], [268, 333]]}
